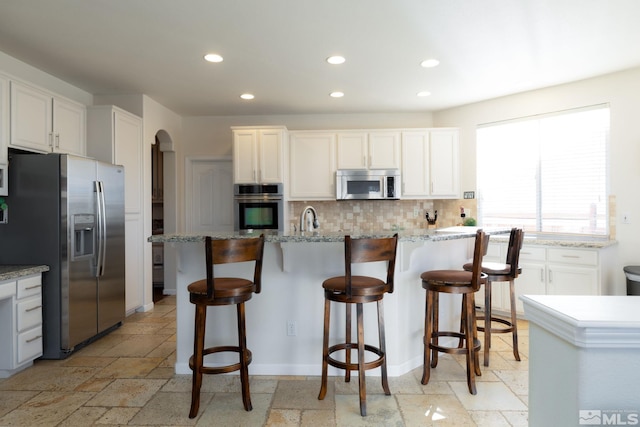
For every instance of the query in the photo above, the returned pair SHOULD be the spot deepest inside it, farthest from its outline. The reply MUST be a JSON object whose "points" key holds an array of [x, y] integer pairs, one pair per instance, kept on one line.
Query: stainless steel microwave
{"points": [[367, 184]]}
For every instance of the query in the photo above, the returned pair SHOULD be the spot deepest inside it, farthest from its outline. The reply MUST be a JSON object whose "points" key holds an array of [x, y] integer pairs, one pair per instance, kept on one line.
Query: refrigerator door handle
{"points": [[102, 228]]}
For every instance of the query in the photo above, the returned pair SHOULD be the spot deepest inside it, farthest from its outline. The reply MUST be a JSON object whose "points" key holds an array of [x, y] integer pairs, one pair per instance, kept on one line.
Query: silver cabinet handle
{"points": [[33, 308], [28, 288], [34, 339]]}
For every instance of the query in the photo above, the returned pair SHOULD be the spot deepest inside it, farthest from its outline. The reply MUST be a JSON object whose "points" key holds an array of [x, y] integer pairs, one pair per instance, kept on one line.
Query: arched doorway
{"points": [[163, 217]]}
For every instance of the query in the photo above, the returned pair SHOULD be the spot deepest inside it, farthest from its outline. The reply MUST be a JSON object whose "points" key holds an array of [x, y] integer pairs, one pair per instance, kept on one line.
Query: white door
{"points": [[210, 196]]}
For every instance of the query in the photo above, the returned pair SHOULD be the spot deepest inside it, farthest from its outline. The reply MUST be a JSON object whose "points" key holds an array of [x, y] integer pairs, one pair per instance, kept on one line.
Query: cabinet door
{"points": [[444, 163], [69, 127], [245, 156], [532, 281], [313, 166], [415, 164], [128, 152], [352, 150], [31, 118], [572, 280], [384, 150], [271, 142]]}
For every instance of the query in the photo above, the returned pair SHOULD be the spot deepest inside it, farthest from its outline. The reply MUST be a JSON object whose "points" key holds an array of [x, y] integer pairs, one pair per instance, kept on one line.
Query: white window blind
{"points": [[545, 173]]}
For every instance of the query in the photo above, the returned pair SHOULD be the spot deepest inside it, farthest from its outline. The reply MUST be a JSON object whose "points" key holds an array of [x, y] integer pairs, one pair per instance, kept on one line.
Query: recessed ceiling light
{"points": [[336, 60], [336, 94], [430, 63], [424, 93], [213, 57], [247, 96]]}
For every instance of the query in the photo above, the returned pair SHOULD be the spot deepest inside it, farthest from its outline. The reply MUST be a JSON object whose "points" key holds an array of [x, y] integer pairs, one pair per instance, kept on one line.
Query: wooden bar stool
{"points": [[499, 272], [215, 291], [358, 290], [462, 282]]}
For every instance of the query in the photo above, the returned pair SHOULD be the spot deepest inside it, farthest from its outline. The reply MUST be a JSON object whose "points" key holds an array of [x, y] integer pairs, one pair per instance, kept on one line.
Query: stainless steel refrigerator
{"points": [[68, 213]]}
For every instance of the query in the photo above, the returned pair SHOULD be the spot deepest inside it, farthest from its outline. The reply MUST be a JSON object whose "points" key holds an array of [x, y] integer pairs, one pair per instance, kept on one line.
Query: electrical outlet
{"points": [[416, 212], [626, 218], [292, 328], [469, 195]]}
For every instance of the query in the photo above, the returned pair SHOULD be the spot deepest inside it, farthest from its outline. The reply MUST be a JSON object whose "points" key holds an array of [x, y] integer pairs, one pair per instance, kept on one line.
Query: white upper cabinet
{"points": [[444, 162], [368, 150], [44, 122], [430, 164], [258, 154], [312, 165]]}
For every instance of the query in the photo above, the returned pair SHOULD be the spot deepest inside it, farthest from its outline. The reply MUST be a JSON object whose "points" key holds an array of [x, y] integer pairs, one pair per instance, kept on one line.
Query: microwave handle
{"points": [[384, 187]]}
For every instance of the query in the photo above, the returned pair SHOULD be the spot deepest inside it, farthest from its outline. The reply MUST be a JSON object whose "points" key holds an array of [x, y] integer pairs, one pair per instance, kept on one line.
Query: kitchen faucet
{"points": [[305, 223]]}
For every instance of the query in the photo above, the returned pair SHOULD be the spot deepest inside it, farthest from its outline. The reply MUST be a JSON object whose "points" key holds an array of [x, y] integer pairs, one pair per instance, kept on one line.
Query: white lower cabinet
{"points": [[551, 271], [20, 323]]}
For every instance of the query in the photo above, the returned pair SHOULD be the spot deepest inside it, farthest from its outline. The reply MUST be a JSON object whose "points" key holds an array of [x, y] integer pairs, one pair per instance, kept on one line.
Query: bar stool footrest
{"points": [[221, 369], [452, 350], [506, 330], [354, 366]]}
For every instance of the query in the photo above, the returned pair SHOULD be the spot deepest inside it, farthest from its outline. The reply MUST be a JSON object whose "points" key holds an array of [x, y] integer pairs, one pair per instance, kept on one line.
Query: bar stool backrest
{"points": [[516, 239], [228, 251], [370, 250], [479, 249]]}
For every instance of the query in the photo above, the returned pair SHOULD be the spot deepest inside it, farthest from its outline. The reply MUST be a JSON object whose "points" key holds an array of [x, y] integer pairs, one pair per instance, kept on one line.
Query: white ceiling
{"points": [[276, 49]]}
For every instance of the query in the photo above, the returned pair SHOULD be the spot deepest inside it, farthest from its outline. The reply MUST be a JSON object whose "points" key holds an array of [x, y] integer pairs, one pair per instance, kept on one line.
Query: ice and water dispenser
{"points": [[84, 228]]}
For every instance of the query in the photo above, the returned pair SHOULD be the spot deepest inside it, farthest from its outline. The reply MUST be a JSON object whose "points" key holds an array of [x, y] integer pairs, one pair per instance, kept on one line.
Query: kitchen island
{"points": [[285, 321]]}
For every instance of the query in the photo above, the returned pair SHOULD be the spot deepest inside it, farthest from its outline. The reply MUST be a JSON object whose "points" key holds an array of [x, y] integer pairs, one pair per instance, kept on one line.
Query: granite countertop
{"points": [[338, 236], [12, 272], [449, 233]]}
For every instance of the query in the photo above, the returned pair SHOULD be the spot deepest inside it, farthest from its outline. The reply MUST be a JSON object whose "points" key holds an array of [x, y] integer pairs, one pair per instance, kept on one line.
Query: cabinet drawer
{"points": [[29, 345], [7, 289], [29, 313], [532, 253], [573, 256], [28, 286]]}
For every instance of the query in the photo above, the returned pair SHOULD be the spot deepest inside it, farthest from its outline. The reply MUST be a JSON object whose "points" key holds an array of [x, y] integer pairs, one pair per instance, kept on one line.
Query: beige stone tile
{"points": [[164, 350], [517, 381], [284, 417], [318, 418], [46, 409], [381, 411], [137, 328], [129, 367], [88, 361], [49, 378], [117, 416], [9, 400], [433, 410], [491, 396], [136, 346], [166, 373], [84, 416], [127, 393], [226, 409], [302, 395], [489, 419], [517, 418], [94, 384], [169, 409]]}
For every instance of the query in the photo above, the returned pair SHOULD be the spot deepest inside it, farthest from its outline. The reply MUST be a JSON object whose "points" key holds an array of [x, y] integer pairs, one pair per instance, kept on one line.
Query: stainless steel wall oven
{"points": [[258, 207]]}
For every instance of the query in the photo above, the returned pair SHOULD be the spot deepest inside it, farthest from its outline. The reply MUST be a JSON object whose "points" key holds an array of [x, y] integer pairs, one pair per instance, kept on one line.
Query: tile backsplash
{"points": [[371, 215]]}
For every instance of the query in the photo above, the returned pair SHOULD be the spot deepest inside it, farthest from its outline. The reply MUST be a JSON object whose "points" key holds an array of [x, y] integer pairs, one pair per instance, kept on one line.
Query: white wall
{"points": [[621, 91]]}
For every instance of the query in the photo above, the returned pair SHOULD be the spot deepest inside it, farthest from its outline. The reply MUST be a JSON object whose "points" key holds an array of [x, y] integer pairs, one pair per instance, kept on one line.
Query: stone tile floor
{"points": [[127, 378]]}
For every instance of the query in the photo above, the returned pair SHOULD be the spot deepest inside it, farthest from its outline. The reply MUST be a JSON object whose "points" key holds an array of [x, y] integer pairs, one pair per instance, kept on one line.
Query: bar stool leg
{"points": [[325, 350], [474, 335], [471, 357], [383, 349], [347, 374], [428, 332], [514, 320], [198, 348], [361, 377], [487, 322], [435, 306], [244, 368]]}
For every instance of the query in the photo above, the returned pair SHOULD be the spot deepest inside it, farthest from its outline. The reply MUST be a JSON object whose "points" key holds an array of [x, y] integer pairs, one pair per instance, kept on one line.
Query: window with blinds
{"points": [[545, 173]]}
